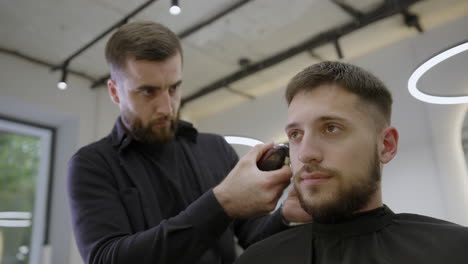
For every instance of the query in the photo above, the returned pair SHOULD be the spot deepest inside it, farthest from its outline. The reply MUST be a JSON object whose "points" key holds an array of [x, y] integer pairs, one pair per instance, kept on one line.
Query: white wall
{"points": [[80, 115], [428, 175]]}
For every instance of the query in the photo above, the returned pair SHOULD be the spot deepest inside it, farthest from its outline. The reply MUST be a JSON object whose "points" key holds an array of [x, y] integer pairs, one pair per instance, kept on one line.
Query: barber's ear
{"points": [[389, 144], [112, 89]]}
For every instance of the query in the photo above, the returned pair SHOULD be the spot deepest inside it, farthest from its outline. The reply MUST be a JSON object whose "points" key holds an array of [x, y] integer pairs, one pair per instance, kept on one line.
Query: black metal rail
{"points": [[102, 80], [119, 23], [387, 9]]}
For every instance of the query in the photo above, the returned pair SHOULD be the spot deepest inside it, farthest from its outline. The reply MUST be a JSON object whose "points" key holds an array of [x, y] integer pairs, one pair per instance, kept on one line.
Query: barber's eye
{"points": [[332, 129], [147, 91], [294, 135]]}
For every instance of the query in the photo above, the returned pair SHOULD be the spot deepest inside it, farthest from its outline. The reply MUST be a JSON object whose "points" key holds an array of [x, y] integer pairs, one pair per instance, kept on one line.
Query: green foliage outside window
{"points": [[19, 165]]}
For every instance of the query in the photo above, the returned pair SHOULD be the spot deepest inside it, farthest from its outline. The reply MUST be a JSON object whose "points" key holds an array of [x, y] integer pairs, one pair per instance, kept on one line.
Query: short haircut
{"points": [[347, 76], [144, 40]]}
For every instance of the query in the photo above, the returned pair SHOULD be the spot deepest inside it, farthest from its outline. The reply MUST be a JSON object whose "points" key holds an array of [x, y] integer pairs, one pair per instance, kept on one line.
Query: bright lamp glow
{"points": [[427, 66], [62, 85], [174, 10], [242, 141]]}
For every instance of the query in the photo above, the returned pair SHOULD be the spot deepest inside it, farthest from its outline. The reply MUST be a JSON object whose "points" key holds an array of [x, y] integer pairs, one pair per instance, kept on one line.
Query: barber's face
{"points": [[149, 96], [334, 154]]}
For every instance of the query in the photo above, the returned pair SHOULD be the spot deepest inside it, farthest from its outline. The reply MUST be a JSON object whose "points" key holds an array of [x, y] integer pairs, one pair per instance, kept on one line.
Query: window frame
{"points": [[43, 196]]}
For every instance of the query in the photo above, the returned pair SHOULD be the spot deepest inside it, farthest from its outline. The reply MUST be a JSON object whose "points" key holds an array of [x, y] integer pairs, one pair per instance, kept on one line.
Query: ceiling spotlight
{"points": [[62, 85], [175, 8], [418, 73]]}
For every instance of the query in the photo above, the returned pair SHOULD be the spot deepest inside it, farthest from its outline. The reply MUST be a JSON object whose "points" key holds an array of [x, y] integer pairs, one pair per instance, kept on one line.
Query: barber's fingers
{"points": [[257, 151], [280, 176]]}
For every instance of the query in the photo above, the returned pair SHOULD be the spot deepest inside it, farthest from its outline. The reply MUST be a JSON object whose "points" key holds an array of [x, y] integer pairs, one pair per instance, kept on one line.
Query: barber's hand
{"points": [[247, 191], [292, 210]]}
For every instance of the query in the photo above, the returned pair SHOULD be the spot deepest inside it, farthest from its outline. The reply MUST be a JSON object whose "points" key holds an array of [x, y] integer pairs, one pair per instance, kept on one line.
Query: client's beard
{"points": [[146, 134], [345, 200]]}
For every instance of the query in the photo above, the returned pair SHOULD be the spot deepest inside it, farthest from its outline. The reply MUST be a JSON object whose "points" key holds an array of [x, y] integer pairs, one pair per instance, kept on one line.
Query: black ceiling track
{"points": [[387, 9], [189, 31], [121, 22]]}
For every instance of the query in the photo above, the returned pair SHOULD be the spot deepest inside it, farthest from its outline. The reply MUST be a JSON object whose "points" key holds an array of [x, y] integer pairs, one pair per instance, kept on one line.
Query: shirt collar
{"points": [[121, 138]]}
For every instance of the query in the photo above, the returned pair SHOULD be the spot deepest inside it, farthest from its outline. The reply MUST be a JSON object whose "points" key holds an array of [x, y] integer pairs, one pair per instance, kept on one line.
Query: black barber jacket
{"points": [[117, 214]]}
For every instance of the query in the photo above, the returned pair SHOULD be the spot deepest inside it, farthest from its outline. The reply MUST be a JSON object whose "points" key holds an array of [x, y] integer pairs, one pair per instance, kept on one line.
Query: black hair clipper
{"points": [[274, 158]]}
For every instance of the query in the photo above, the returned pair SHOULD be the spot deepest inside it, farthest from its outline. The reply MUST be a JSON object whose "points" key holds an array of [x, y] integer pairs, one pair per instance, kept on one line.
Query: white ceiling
{"points": [[51, 30]]}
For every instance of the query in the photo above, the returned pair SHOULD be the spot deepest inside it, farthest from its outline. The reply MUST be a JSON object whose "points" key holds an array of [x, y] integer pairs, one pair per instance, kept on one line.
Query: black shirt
{"points": [[170, 176], [154, 204]]}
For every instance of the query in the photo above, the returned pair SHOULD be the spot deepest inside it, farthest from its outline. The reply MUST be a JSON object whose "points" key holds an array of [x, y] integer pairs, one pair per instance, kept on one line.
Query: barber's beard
{"points": [[147, 133], [347, 198]]}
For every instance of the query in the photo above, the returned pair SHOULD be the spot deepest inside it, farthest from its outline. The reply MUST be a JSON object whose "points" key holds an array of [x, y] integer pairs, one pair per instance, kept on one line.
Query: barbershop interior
{"points": [[238, 57]]}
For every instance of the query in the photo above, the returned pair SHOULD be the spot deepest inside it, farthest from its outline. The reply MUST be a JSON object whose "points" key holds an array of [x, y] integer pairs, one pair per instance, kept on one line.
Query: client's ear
{"points": [[112, 89], [389, 144]]}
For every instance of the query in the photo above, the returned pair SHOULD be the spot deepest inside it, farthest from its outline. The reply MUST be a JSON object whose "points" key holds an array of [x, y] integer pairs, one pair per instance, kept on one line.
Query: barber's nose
{"points": [[310, 150], [165, 103]]}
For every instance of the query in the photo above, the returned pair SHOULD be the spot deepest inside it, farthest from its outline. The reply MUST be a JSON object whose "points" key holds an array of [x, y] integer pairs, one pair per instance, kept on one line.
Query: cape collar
{"points": [[365, 222]]}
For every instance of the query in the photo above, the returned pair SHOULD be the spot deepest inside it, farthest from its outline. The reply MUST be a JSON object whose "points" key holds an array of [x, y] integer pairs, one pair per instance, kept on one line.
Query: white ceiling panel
{"points": [[51, 30]]}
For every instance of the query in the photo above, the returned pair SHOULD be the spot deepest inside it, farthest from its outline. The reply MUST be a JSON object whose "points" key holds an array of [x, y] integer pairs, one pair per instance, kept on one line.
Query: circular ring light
{"points": [[242, 141], [427, 66]]}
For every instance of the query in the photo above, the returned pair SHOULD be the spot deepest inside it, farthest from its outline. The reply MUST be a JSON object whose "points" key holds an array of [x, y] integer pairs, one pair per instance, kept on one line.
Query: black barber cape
{"points": [[377, 236]]}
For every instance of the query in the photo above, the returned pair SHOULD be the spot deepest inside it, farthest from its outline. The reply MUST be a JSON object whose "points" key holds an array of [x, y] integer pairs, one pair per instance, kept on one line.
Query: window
{"points": [[25, 158]]}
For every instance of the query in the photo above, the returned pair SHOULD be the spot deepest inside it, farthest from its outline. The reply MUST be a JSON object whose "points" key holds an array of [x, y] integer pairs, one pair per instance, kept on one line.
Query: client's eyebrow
{"points": [[320, 119]]}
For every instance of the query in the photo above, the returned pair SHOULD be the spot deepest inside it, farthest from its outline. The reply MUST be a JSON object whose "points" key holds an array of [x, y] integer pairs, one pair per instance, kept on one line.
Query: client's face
{"points": [[333, 149]]}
